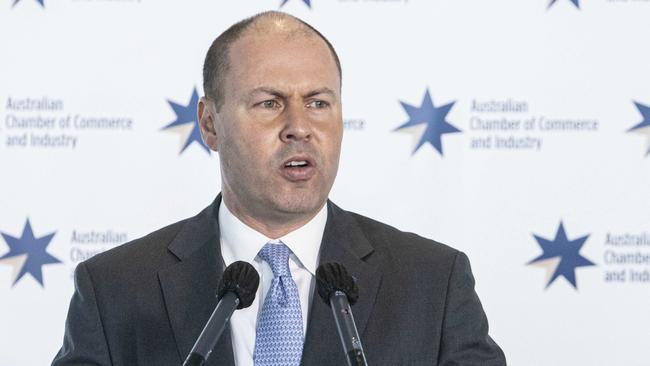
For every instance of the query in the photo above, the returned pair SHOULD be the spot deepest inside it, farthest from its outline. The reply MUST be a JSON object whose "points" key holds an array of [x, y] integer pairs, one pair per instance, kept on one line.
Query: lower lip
{"points": [[298, 174]]}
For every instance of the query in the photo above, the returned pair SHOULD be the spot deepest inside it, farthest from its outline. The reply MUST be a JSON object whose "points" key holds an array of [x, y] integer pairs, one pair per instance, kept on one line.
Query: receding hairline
{"points": [[278, 20], [218, 62], [277, 23]]}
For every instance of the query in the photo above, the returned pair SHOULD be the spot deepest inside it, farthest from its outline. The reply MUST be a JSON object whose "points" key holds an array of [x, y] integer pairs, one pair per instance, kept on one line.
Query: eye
{"points": [[269, 104], [318, 104]]}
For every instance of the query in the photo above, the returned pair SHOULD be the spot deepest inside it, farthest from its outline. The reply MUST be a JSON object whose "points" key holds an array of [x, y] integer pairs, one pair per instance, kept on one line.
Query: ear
{"points": [[206, 115]]}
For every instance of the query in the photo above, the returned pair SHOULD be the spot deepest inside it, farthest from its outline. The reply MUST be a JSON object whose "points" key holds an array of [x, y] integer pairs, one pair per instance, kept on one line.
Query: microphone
{"points": [[338, 289], [236, 291]]}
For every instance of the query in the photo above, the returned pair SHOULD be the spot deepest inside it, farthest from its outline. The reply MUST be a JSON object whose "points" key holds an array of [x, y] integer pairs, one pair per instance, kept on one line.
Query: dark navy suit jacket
{"points": [[145, 302]]}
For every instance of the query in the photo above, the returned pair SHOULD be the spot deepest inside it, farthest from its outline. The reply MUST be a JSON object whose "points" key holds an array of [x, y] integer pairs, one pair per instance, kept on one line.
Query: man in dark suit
{"points": [[273, 112]]}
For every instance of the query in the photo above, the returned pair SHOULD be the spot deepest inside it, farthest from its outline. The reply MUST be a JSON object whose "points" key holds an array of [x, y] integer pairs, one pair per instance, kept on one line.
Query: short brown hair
{"points": [[217, 60]]}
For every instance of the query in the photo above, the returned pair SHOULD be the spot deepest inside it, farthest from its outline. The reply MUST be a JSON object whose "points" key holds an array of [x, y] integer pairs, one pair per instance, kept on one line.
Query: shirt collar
{"points": [[240, 242]]}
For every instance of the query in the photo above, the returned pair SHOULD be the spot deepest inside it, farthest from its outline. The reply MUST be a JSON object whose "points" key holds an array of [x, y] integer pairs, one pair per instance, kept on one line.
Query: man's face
{"points": [[279, 129]]}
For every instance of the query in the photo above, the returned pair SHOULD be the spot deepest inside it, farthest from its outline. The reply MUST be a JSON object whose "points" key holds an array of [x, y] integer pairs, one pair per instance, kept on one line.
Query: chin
{"points": [[302, 204]]}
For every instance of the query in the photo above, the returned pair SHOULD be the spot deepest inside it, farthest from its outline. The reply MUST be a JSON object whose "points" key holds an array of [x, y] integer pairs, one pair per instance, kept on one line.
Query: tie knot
{"points": [[277, 256]]}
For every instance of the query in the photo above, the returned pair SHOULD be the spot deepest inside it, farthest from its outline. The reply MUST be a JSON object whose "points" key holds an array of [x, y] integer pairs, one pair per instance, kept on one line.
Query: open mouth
{"points": [[297, 164], [298, 168]]}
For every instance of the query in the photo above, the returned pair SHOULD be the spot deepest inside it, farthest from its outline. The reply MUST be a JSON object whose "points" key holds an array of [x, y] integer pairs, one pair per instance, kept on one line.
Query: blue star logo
{"points": [[561, 256], [643, 127], [28, 254], [187, 123], [427, 123], [308, 2], [575, 2], [42, 2]]}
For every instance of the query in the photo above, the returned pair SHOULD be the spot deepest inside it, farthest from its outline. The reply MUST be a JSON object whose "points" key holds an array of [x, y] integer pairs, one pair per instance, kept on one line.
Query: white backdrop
{"points": [[85, 92]]}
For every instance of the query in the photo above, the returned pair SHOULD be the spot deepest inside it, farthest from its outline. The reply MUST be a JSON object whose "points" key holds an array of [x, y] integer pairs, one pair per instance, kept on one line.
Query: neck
{"points": [[272, 226]]}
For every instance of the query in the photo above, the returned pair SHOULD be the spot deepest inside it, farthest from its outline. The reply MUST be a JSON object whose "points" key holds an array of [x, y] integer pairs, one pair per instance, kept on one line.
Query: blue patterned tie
{"points": [[279, 337]]}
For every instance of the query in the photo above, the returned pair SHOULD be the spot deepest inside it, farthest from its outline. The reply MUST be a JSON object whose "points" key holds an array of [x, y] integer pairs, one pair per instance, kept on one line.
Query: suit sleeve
{"points": [[84, 342], [465, 340]]}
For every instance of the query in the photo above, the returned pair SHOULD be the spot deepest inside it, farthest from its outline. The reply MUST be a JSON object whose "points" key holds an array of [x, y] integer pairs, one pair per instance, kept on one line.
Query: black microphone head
{"points": [[242, 279], [332, 277]]}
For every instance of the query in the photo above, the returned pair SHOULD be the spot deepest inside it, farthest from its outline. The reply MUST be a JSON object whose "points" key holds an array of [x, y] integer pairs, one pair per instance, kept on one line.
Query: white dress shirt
{"points": [[239, 242]]}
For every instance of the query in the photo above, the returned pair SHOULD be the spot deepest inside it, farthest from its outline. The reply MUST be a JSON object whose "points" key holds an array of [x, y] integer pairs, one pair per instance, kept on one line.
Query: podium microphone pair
{"points": [[237, 291]]}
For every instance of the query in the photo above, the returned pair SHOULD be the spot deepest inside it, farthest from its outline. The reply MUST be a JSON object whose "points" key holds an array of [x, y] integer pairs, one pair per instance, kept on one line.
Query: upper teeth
{"points": [[296, 163]]}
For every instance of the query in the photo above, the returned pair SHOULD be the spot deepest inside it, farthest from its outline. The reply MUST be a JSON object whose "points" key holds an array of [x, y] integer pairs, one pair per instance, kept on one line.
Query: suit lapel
{"points": [[345, 243], [189, 286]]}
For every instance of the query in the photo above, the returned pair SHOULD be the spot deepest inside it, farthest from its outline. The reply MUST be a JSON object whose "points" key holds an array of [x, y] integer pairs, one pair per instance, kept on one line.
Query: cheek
{"points": [[331, 153], [244, 139], [333, 138], [254, 134], [253, 155]]}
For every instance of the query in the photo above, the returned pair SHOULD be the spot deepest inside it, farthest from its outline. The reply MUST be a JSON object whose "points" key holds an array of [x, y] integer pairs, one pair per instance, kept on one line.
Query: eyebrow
{"points": [[280, 94], [324, 90]]}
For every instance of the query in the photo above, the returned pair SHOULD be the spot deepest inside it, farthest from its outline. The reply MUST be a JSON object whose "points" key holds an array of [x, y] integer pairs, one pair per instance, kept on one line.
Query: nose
{"points": [[297, 127]]}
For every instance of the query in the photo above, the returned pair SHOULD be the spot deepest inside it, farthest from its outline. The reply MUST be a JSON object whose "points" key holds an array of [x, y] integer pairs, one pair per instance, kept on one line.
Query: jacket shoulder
{"points": [[384, 236], [146, 253]]}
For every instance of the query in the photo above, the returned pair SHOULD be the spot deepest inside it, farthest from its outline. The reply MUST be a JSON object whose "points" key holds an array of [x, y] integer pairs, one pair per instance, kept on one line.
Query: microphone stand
{"points": [[212, 330]]}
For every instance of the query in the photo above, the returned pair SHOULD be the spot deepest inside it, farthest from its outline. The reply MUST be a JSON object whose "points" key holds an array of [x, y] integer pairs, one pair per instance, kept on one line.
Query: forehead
{"points": [[282, 58]]}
